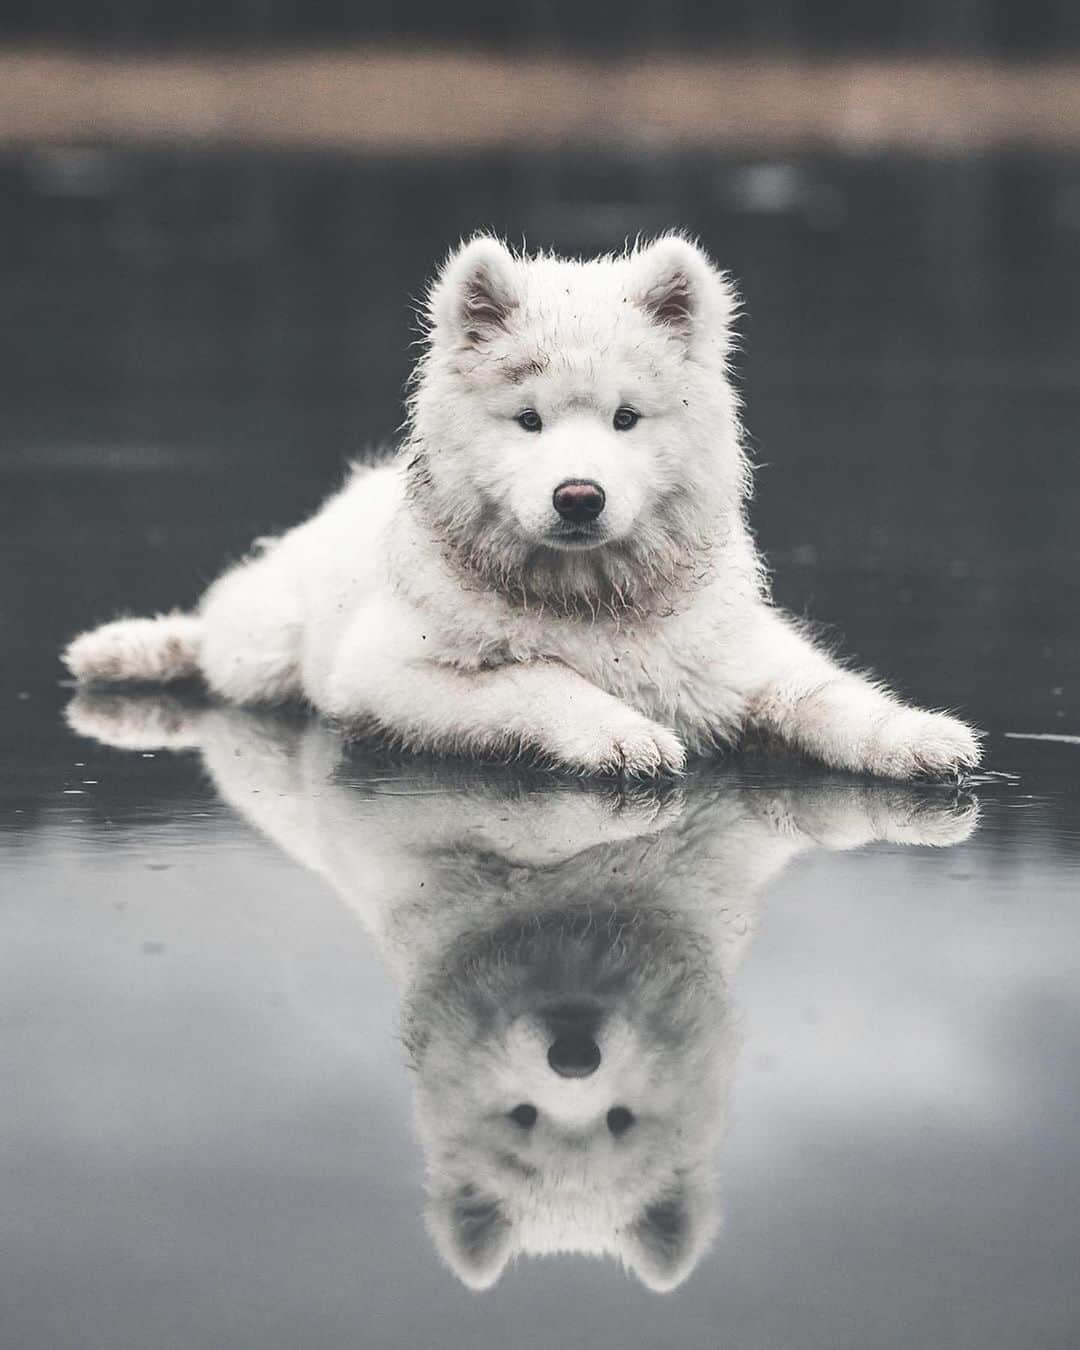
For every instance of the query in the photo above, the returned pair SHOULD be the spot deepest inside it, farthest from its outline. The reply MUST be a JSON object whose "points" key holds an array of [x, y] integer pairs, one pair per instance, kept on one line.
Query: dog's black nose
{"points": [[579, 500], [574, 1055]]}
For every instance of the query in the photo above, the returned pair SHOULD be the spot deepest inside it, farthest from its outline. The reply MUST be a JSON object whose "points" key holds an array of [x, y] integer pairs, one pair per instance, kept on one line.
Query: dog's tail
{"points": [[142, 651]]}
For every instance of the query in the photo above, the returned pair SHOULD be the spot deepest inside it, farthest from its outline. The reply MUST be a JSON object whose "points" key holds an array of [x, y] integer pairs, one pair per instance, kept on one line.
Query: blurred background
{"points": [[216, 217]]}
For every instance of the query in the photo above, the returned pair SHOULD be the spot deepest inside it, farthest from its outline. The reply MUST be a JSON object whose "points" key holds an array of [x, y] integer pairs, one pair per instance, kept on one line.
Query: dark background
{"points": [[196, 342], [997, 27], [198, 333]]}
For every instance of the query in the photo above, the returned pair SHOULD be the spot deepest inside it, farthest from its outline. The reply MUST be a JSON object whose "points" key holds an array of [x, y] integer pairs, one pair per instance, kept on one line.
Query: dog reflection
{"points": [[565, 953]]}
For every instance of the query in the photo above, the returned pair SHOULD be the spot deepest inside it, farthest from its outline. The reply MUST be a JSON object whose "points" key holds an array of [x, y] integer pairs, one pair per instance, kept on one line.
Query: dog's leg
{"points": [[541, 707], [252, 632], [845, 719]]}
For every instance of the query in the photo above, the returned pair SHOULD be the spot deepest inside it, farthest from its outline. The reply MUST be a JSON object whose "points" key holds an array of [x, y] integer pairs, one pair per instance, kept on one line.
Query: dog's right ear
{"points": [[475, 294], [666, 1242]]}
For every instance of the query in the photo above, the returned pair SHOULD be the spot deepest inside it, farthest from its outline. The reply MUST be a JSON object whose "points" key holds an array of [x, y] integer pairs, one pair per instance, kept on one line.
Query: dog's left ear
{"points": [[471, 1231], [677, 286], [475, 295]]}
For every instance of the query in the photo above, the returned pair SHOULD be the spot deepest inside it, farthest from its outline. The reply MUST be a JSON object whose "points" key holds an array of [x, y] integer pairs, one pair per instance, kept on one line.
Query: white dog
{"points": [[565, 953], [557, 562]]}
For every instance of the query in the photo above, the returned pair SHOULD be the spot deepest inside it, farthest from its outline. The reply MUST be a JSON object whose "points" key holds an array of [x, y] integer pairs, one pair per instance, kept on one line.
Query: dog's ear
{"points": [[667, 1239], [475, 294], [472, 1233], [679, 289]]}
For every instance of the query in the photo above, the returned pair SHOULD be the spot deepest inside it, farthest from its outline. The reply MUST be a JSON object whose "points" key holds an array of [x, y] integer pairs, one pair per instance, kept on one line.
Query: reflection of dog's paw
{"points": [[634, 748], [150, 721], [844, 816], [570, 819], [647, 806], [934, 824], [915, 744]]}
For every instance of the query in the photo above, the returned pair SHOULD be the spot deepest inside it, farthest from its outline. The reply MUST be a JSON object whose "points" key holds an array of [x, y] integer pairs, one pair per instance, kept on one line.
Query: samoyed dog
{"points": [[565, 953], [557, 563]]}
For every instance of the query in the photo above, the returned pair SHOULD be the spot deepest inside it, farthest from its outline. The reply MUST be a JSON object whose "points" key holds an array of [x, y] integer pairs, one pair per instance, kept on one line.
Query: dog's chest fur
{"points": [[678, 668]]}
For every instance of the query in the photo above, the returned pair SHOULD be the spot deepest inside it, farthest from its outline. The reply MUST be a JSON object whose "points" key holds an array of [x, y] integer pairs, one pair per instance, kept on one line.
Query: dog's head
{"points": [[572, 1070], [575, 418]]}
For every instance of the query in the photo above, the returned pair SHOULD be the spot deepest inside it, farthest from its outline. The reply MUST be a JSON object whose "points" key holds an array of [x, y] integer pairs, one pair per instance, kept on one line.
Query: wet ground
{"points": [[258, 987]]}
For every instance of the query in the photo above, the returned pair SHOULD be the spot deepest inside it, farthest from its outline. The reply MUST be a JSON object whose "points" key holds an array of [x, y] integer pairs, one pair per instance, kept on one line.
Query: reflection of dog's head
{"points": [[572, 422], [565, 962], [572, 1074]]}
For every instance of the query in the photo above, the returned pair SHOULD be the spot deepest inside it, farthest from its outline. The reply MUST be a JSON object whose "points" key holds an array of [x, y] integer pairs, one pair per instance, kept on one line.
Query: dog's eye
{"points": [[619, 1120], [524, 1115], [530, 420], [625, 418]]}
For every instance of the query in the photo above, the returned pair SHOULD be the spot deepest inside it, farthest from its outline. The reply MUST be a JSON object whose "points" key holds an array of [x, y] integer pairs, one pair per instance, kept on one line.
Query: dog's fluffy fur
{"points": [[441, 599], [503, 902]]}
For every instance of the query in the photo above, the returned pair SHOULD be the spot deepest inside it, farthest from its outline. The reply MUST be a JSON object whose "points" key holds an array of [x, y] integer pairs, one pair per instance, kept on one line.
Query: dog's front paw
{"points": [[634, 747], [915, 744]]}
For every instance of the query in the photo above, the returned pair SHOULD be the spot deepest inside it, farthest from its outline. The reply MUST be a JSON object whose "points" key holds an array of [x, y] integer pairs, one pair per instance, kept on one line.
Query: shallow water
{"points": [[230, 998]]}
